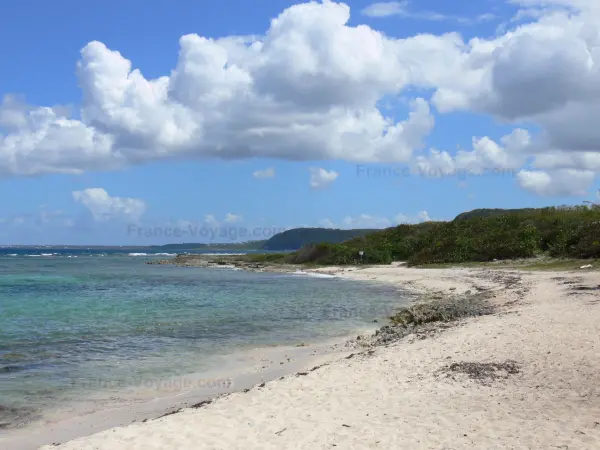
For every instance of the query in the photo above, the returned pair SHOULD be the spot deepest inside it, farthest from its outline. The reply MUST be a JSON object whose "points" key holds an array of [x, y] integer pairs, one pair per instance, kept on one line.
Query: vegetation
{"points": [[487, 212], [481, 235]]}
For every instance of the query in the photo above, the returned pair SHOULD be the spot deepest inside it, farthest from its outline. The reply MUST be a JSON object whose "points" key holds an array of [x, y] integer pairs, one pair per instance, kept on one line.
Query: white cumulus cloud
{"points": [[233, 218], [104, 207], [557, 182], [421, 216], [308, 88], [321, 178], [487, 156], [211, 220], [326, 223], [305, 90]]}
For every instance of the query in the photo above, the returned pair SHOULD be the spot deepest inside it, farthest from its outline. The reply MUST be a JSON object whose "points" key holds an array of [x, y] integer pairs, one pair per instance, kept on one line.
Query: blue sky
{"points": [[293, 125]]}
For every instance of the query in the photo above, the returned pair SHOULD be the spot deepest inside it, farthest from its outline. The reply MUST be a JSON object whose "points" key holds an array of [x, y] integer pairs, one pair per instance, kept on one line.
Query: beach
{"points": [[524, 376], [98, 340]]}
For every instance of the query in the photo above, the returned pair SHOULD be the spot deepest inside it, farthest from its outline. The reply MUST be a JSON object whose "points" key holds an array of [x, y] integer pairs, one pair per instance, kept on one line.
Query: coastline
{"points": [[540, 342], [250, 368], [240, 370]]}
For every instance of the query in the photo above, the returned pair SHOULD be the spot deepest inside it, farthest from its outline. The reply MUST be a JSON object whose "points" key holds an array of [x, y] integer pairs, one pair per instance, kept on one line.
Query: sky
{"points": [[151, 122]]}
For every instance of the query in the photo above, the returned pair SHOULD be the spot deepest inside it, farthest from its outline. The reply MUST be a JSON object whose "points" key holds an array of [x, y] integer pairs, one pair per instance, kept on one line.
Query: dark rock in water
{"points": [[11, 416], [6, 369], [202, 404]]}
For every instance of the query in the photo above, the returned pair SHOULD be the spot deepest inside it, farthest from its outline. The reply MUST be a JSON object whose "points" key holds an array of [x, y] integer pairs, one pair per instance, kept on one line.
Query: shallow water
{"points": [[73, 327]]}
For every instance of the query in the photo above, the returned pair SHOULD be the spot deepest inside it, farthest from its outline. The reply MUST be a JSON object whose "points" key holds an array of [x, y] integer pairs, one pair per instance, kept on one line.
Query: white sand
{"points": [[396, 398]]}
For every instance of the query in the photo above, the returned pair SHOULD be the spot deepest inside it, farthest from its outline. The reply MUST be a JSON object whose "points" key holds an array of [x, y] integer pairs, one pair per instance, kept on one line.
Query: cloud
{"points": [[544, 72], [263, 174], [564, 182], [305, 90], [553, 160], [424, 216], [388, 9], [43, 219], [326, 223], [13, 112], [385, 9], [376, 222], [321, 178], [17, 219], [309, 87], [233, 218], [421, 216], [104, 207], [210, 220], [487, 156]]}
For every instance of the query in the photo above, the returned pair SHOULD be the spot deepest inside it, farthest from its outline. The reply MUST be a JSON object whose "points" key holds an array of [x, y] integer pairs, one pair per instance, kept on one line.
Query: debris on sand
{"points": [[586, 288], [482, 372]]}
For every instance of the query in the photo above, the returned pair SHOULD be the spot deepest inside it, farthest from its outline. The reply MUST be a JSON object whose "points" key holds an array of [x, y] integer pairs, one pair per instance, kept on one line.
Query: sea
{"points": [[77, 322]]}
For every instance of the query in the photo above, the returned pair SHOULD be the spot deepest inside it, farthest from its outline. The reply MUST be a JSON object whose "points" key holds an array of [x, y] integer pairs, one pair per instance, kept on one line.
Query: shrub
{"points": [[482, 236]]}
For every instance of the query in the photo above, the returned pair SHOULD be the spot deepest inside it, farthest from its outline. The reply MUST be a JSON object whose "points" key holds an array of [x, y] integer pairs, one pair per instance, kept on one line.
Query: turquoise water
{"points": [[65, 322]]}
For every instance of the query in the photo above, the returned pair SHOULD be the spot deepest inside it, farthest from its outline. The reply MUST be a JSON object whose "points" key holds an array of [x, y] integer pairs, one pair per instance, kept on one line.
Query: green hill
{"points": [[298, 237], [480, 235], [486, 212]]}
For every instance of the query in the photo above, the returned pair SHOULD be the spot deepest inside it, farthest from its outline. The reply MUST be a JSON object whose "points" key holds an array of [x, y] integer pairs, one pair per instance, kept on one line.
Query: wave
{"points": [[165, 254], [12, 254], [313, 274], [137, 254]]}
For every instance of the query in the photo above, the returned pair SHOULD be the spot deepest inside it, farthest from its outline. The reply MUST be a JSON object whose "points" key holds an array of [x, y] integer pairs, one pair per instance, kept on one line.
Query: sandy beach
{"points": [[526, 376]]}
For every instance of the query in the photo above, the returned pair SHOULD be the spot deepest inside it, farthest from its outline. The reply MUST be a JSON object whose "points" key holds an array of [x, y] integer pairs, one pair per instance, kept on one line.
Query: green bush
{"points": [[484, 235]]}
